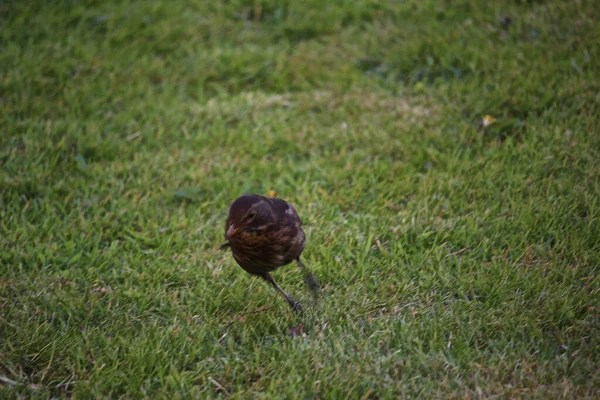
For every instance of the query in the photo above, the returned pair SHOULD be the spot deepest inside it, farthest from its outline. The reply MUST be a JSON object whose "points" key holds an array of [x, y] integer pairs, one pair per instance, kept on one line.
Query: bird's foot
{"points": [[296, 306]]}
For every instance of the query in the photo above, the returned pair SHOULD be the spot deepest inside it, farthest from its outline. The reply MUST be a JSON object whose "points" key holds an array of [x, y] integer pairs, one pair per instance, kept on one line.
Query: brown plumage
{"points": [[265, 234]]}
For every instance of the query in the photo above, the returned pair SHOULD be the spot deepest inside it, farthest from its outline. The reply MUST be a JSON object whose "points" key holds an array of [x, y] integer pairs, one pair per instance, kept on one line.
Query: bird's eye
{"points": [[251, 215]]}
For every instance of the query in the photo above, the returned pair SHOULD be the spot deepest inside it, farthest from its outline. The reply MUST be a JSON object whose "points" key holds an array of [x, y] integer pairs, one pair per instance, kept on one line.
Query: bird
{"points": [[264, 234]]}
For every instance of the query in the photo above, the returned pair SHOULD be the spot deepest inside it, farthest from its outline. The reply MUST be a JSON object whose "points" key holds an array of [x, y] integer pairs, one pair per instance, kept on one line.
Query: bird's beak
{"points": [[231, 231]]}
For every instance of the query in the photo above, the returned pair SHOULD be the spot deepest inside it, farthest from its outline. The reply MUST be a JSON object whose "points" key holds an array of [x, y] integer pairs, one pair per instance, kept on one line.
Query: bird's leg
{"points": [[293, 303], [310, 279]]}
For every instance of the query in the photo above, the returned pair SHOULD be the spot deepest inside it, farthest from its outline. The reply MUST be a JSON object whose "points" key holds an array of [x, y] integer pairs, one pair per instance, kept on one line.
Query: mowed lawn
{"points": [[443, 156]]}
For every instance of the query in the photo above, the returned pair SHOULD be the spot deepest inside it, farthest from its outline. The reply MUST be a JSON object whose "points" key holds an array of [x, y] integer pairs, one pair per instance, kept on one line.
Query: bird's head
{"points": [[246, 213]]}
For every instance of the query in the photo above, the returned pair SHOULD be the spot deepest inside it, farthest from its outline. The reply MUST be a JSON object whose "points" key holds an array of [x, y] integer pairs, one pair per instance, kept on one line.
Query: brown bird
{"points": [[265, 234]]}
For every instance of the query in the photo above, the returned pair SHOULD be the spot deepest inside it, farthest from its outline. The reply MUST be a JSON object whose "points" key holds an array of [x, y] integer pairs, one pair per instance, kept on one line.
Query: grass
{"points": [[456, 260]]}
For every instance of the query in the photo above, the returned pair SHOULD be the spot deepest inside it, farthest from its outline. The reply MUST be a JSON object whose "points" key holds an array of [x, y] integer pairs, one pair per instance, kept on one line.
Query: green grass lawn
{"points": [[455, 260]]}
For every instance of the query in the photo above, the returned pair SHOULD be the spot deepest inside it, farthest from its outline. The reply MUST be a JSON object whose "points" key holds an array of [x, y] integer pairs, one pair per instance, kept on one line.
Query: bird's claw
{"points": [[296, 306]]}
